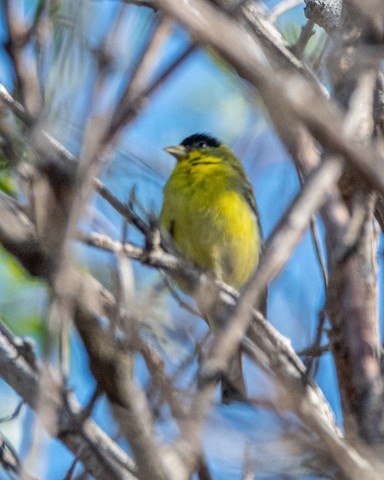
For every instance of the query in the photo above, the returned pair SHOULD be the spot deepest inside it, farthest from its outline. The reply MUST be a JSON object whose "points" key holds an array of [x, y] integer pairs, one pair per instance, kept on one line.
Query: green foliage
{"points": [[22, 299], [7, 184]]}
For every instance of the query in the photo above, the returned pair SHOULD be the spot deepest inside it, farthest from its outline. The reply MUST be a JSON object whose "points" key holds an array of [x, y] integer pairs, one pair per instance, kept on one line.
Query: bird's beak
{"points": [[178, 151]]}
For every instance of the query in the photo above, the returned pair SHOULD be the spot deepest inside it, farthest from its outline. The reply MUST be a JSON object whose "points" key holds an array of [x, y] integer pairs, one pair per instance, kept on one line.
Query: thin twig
{"points": [[156, 367], [131, 108], [316, 347], [182, 304], [312, 407], [314, 350], [124, 209], [26, 75], [141, 3], [137, 87], [315, 235], [324, 121], [14, 414], [27, 382], [305, 35]]}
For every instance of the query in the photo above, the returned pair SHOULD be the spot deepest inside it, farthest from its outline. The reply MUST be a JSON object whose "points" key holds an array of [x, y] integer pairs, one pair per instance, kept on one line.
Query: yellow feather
{"points": [[210, 213]]}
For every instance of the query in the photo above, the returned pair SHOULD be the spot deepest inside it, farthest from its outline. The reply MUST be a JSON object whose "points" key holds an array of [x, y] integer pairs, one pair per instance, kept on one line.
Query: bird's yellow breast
{"points": [[206, 212]]}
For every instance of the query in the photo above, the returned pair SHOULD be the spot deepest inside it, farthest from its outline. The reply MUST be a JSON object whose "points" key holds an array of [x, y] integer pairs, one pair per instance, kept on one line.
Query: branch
{"points": [[27, 81], [92, 301], [270, 350], [352, 294], [306, 400], [241, 49], [274, 46], [108, 358], [326, 13], [100, 456]]}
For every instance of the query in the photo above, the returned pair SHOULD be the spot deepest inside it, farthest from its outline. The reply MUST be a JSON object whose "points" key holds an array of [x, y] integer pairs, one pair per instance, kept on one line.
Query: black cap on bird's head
{"points": [[196, 141], [200, 140]]}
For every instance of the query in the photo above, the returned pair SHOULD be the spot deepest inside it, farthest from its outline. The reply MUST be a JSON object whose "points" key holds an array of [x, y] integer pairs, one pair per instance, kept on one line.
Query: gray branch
{"points": [[100, 456]]}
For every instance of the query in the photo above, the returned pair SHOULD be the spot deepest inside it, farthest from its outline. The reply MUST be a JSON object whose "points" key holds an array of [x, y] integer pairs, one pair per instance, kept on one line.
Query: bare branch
{"points": [[352, 293], [241, 49], [311, 407], [326, 13], [83, 441], [26, 76]]}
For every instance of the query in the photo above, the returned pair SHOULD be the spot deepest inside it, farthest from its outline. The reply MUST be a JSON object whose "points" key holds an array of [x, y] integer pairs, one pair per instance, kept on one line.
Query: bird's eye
{"points": [[203, 145]]}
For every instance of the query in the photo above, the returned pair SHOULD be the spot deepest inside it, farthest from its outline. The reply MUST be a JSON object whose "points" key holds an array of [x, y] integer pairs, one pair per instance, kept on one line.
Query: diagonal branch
{"points": [[241, 49], [92, 301], [83, 439], [269, 349]]}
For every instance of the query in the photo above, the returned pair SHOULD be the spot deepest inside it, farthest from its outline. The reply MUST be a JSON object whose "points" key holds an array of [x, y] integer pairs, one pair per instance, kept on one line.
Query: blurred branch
{"points": [[76, 296], [314, 350], [323, 120], [137, 86], [295, 384], [351, 244], [158, 257], [49, 144], [305, 35], [16, 413], [125, 210], [352, 302], [108, 355], [315, 235], [131, 106], [240, 48], [259, 57], [64, 163], [95, 337], [26, 78], [307, 400], [9, 461], [108, 363], [155, 365], [311, 361], [326, 13], [135, 420], [141, 3], [280, 55], [354, 337], [100, 456], [370, 17]]}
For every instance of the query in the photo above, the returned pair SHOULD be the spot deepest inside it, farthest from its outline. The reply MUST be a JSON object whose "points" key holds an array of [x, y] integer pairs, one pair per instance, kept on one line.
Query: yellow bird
{"points": [[209, 212]]}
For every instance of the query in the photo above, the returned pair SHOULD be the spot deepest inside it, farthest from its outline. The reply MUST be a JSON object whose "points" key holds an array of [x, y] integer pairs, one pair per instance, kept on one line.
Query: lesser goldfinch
{"points": [[209, 212]]}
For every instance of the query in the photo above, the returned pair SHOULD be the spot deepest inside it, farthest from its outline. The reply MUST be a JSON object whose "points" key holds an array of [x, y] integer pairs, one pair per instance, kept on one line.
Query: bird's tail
{"points": [[232, 383], [216, 313]]}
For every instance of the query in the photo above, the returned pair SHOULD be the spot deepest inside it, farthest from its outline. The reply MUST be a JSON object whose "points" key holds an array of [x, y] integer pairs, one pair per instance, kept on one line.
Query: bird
{"points": [[209, 216]]}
